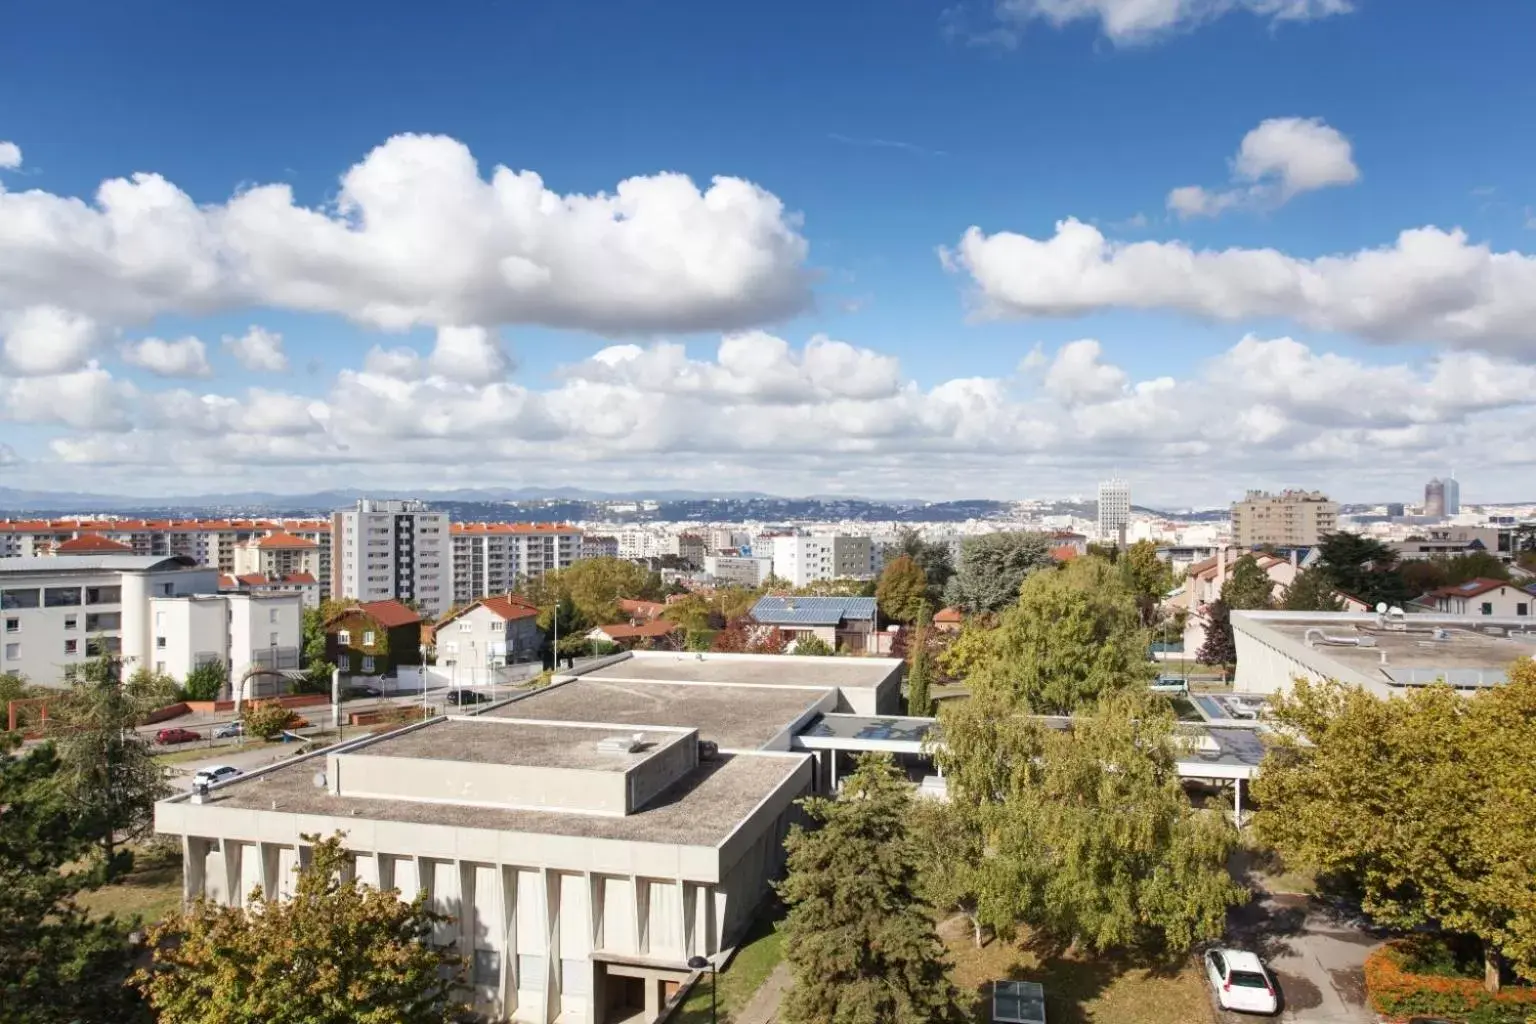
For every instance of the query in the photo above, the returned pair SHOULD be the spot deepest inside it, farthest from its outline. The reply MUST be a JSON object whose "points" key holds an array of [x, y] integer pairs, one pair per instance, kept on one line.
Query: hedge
{"points": [[1397, 993]]}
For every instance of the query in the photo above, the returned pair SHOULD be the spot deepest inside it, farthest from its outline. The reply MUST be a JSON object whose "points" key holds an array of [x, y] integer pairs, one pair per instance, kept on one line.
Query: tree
{"points": [[1149, 577], [1423, 801], [1312, 591], [266, 719], [919, 702], [1421, 575], [858, 939], [1248, 587], [693, 613], [812, 645], [903, 590], [1088, 834], [206, 681], [969, 649], [932, 557], [951, 859], [595, 586], [993, 566], [565, 618], [1220, 647], [1363, 568], [338, 952], [58, 964], [1072, 635], [109, 772]]}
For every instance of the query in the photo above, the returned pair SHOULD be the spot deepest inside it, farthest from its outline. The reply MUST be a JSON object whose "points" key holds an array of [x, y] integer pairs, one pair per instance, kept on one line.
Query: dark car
{"points": [[466, 697], [361, 690], [166, 737]]}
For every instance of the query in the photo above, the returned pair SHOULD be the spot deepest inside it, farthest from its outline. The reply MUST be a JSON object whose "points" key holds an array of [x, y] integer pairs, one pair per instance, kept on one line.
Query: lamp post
{"points": [[699, 963]]}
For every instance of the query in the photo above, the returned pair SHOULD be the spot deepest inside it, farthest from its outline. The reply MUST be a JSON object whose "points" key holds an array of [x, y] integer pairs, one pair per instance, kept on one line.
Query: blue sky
{"points": [[883, 132]]}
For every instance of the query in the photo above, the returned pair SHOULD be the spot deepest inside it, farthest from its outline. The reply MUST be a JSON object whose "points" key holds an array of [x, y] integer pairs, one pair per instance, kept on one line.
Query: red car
{"points": [[168, 736]]}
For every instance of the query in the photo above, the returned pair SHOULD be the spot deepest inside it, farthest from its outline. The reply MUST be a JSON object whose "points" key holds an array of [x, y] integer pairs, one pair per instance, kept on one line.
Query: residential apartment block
{"points": [[1114, 510], [257, 637], [392, 550], [801, 560], [1287, 519], [490, 558], [742, 570], [595, 545]]}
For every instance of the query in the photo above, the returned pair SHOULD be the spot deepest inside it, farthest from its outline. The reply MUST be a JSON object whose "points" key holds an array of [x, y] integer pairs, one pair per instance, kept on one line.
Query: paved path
{"points": [[763, 1007], [1316, 956]]}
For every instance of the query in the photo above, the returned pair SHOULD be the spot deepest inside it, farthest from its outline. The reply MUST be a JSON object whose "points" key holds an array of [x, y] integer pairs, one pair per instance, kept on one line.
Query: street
{"points": [[1316, 955]]}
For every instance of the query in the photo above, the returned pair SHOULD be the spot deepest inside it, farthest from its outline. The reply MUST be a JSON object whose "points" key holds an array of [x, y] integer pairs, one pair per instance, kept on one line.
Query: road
{"points": [[1316, 955]]}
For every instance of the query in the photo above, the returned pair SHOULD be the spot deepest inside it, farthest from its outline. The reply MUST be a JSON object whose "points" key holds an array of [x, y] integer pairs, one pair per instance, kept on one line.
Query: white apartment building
{"points": [[1114, 510], [277, 554], [59, 611], [804, 559], [1287, 519], [741, 570], [721, 539], [400, 550], [240, 631], [490, 558], [641, 543]]}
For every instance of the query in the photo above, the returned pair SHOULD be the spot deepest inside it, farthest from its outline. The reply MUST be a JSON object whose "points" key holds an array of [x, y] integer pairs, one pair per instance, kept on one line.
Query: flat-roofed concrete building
{"points": [[1287, 519], [1384, 654], [588, 838]]}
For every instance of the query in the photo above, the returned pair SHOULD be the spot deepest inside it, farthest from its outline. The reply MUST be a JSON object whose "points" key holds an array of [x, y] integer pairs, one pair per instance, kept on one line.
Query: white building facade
{"points": [[239, 631], [399, 550], [802, 560], [491, 558], [1114, 510], [740, 570]]}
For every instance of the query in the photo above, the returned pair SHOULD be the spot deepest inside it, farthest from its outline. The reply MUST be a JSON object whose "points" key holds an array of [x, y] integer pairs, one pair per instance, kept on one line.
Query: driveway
{"points": [[1316, 954]]}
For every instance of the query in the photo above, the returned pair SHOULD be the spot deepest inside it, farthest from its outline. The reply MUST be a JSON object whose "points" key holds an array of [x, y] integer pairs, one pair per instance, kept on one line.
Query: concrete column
{"points": [[1237, 789], [642, 902], [551, 889], [652, 998], [194, 864], [232, 883], [508, 896]]}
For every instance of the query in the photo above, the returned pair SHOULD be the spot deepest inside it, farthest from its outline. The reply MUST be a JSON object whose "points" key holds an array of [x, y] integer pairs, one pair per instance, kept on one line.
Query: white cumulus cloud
{"points": [[1129, 22], [184, 357], [258, 350], [10, 156], [46, 339], [1278, 160], [1430, 285]]}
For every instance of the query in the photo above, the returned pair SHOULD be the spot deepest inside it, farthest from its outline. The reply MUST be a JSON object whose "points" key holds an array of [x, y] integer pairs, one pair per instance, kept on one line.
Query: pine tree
{"points": [[1249, 586], [859, 941], [1312, 591], [1219, 648]]}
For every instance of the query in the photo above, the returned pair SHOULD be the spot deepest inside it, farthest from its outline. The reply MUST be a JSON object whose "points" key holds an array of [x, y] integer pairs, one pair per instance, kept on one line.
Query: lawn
{"points": [[760, 952], [150, 891], [1078, 989], [204, 751]]}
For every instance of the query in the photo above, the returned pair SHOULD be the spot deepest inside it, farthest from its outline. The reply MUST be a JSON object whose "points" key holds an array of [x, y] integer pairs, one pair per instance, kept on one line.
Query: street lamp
{"points": [[699, 963]]}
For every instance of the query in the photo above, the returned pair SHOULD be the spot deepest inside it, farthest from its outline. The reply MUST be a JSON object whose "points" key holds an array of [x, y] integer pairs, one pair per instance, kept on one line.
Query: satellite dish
{"points": [[319, 780], [1381, 607], [1396, 610]]}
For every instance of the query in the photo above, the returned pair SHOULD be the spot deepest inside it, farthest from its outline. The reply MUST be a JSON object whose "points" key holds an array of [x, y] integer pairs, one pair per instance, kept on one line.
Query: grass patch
{"points": [[204, 752], [761, 950], [151, 891], [1079, 989]]}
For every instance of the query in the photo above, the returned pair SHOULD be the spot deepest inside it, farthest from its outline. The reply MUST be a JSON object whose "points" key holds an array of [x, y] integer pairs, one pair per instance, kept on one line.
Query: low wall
{"points": [[168, 712], [303, 700]]}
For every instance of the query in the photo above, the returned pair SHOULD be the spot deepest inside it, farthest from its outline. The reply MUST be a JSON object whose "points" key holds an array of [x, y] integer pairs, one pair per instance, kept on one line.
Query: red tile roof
{"points": [[510, 607], [625, 631], [1064, 553], [636, 609], [388, 614], [1471, 588], [949, 615], [86, 543], [299, 577], [284, 541]]}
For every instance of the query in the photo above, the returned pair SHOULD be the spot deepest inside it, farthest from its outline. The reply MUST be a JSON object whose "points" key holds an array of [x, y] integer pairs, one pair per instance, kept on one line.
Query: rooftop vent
{"points": [[622, 744]]}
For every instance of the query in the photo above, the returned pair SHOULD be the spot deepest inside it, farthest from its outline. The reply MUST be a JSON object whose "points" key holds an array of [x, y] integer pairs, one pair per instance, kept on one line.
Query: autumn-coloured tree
{"points": [[338, 952], [902, 590], [266, 719]]}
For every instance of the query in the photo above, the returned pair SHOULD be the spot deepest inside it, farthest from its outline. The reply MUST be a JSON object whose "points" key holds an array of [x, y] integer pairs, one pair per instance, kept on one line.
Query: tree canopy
{"points": [[1424, 801], [1248, 587], [206, 681], [932, 557], [338, 952], [1421, 575], [1149, 577], [1312, 591], [595, 586], [902, 591], [1363, 568], [1220, 647], [993, 566], [858, 939]]}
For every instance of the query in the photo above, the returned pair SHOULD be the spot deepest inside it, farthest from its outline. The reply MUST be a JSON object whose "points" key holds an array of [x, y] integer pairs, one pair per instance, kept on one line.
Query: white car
{"points": [[216, 773], [1241, 982]]}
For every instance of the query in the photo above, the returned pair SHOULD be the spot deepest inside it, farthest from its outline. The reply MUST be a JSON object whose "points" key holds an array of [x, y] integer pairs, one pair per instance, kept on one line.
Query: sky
{"points": [[908, 249]]}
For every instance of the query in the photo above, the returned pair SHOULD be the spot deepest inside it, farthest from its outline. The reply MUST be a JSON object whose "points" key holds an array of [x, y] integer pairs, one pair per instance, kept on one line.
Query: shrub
{"points": [[206, 681], [267, 719], [1397, 992]]}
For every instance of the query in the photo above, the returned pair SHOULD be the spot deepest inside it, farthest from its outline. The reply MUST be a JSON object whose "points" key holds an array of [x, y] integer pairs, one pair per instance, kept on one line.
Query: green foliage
{"points": [[919, 701], [338, 952], [1149, 577], [108, 773], [57, 964], [1421, 575], [14, 686], [314, 633], [812, 645], [1312, 591], [693, 613], [1088, 833], [206, 681], [1424, 801], [952, 872], [1220, 647], [843, 586], [698, 640], [931, 556], [595, 586], [992, 568], [266, 719], [1364, 568], [902, 591], [1399, 985], [970, 648], [1248, 587], [858, 939], [1072, 635]]}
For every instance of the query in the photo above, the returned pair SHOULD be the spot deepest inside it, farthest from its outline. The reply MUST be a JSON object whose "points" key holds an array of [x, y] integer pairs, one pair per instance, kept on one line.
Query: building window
{"points": [[344, 636], [1487, 607], [103, 595], [530, 971], [20, 599], [96, 622], [159, 643], [1522, 608], [13, 625], [160, 667], [71, 621], [61, 597], [368, 638], [367, 663], [466, 626], [71, 646], [451, 647], [12, 652], [165, 589], [271, 614]]}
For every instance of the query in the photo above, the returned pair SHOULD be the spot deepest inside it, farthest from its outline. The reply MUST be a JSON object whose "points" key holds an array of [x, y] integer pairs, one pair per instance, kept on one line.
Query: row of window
{"points": [[59, 597], [344, 637], [94, 622], [94, 646]]}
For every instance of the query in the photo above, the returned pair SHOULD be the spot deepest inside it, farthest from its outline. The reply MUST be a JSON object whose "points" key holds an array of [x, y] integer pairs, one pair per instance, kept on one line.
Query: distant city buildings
{"points": [[740, 570], [595, 545], [800, 560], [1287, 519], [491, 558], [1442, 498], [392, 550], [1114, 510]]}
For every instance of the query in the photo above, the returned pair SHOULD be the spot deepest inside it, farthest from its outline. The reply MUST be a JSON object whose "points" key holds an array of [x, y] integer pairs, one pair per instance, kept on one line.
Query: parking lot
{"points": [[1316, 955]]}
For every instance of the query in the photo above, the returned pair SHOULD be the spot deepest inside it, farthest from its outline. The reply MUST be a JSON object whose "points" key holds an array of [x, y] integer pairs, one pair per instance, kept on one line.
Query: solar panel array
{"points": [[811, 611], [1018, 1002]]}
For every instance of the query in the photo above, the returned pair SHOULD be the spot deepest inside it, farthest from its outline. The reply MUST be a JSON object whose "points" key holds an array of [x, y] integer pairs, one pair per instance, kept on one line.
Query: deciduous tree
{"points": [[903, 590], [992, 568], [858, 939], [265, 719], [206, 681], [932, 557], [1149, 577], [338, 952], [951, 859]]}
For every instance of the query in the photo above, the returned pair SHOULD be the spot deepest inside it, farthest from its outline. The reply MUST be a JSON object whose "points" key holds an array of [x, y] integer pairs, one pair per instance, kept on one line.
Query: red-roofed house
{"points": [[277, 554], [302, 583], [641, 611], [658, 633], [1480, 597], [92, 544], [373, 638], [475, 642], [948, 620]]}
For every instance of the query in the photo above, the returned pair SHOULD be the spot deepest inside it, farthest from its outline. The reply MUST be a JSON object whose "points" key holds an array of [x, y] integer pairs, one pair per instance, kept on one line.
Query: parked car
{"points": [[229, 730], [166, 737], [466, 697], [216, 773], [1241, 982], [361, 690]]}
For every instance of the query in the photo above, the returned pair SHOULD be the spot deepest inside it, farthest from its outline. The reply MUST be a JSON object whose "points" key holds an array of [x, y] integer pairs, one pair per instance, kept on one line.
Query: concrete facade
{"points": [[1288, 519], [239, 631], [588, 838], [802, 560], [383, 550], [742, 570], [492, 558]]}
